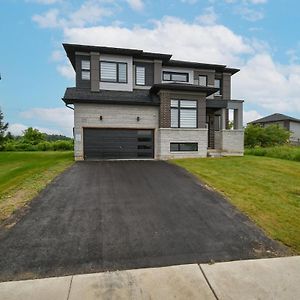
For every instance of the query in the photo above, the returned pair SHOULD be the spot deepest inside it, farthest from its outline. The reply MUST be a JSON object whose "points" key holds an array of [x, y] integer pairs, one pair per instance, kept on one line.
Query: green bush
{"points": [[62, 145], [9, 146], [45, 146], [269, 136], [21, 145]]}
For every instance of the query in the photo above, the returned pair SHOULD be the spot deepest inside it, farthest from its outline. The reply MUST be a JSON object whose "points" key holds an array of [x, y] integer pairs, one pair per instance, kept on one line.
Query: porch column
{"points": [[223, 118], [238, 118]]}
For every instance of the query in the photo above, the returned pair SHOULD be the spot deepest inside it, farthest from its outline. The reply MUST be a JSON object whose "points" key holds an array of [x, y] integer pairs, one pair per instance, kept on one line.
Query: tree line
{"points": [[32, 140]]}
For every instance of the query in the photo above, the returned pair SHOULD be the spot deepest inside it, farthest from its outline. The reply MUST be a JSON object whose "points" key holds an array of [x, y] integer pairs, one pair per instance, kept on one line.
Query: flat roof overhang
{"points": [[184, 88]]}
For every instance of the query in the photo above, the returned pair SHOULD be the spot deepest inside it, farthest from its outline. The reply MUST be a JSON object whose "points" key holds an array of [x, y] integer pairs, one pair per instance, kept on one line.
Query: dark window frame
{"points": [[179, 145], [117, 70], [176, 73], [138, 84], [85, 69], [206, 79], [178, 112]]}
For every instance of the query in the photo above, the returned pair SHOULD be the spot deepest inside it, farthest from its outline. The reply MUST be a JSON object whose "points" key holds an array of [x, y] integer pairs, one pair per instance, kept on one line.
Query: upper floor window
{"points": [[113, 72], [218, 85], [85, 70], [184, 113], [140, 75], [202, 80], [175, 76]]}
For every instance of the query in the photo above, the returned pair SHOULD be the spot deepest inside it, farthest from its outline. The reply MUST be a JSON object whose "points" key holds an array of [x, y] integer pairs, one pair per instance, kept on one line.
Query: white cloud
{"points": [[269, 85], [57, 55], [189, 1], [89, 13], [249, 14], [250, 116], [60, 118], [47, 2], [137, 5], [49, 19], [209, 17], [216, 44], [247, 1], [66, 70], [18, 129]]}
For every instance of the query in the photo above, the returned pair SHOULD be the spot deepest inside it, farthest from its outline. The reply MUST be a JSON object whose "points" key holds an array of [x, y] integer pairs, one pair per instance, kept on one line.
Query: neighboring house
{"points": [[134, 104], [289, 123]]}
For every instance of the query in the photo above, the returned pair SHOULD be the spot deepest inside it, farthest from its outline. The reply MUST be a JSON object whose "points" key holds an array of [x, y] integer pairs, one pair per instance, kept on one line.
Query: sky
{"points": [[261, 37]]}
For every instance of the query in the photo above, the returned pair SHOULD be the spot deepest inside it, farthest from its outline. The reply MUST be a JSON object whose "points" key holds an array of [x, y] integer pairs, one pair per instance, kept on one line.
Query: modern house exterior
{"points": [[131, 104], [289, 123]]}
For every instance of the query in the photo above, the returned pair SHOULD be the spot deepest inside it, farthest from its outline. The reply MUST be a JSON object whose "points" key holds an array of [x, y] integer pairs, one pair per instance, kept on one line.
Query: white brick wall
{"points": [[231, 141], [113, 116], [169, 135]]}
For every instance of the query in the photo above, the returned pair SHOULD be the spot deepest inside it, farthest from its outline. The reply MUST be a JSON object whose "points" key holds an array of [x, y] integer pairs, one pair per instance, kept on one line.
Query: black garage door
{"points": [[117, 143]]}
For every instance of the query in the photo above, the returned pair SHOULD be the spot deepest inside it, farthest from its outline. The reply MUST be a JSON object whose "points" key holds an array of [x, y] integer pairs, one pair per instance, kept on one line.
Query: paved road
{"points": [[123, 215]]}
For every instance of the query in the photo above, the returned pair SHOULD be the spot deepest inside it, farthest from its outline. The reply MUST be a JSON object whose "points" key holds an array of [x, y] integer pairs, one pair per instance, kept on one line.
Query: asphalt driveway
{"points": [[121, 215]]}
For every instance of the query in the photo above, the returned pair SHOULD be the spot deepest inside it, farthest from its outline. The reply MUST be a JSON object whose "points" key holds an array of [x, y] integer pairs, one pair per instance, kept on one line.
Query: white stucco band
{"points": [[230, 141], [166, 136]]}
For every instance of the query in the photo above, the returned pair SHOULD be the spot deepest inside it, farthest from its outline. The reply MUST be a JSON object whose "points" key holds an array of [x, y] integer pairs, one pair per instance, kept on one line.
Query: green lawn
{"points": [[265, 189], [24, 174]]}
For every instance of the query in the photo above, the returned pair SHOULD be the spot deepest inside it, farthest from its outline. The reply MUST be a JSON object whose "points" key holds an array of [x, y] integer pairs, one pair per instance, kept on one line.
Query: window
{"points": [[184, 113], [140, 75], [183, 147], [218, 85], [175, 76], [113, 72], [85, 70], [203, 80]]}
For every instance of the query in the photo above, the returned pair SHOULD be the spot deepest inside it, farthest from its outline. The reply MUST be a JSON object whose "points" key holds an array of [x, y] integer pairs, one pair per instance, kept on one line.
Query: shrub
{"points": [[25, 147], [45, 146], [272, 135], [9, 146], [62, 145]]}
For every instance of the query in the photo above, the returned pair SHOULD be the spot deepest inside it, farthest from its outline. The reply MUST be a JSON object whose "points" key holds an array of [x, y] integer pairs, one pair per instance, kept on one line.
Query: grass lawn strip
{"points": [[265, 189], [24, 174]]}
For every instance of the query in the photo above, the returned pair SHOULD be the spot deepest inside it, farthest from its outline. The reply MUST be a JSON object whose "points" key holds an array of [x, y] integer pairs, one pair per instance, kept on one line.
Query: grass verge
{"points": [[24, 174], [283, 152], [265, 189]]}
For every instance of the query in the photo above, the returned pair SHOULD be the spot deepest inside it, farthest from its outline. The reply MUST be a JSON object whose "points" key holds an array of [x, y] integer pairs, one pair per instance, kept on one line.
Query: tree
{"points": [[269, 136], [33, 136], [3, 128]]}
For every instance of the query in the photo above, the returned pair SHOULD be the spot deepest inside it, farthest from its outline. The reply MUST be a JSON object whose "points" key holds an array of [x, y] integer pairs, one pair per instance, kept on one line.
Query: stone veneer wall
{"points": [[113, 116], [230, 141], [166, 136]]}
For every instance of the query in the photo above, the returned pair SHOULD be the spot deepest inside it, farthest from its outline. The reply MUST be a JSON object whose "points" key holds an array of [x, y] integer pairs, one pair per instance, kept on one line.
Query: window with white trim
{"points": [[140, 78], [113, 72], [85, 70], [203, 80], [183, 113]]}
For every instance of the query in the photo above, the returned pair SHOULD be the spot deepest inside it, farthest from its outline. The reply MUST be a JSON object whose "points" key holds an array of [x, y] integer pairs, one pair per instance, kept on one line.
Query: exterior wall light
{"points": [[101, 118], [138, 119]]}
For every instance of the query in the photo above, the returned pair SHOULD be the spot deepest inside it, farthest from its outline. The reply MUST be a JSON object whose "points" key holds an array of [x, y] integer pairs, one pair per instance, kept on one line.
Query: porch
{"points": [[224, 120]]}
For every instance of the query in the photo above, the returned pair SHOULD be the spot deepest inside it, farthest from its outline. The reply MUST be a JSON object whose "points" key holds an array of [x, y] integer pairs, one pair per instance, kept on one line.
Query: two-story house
{"points": [[134, 104]]}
